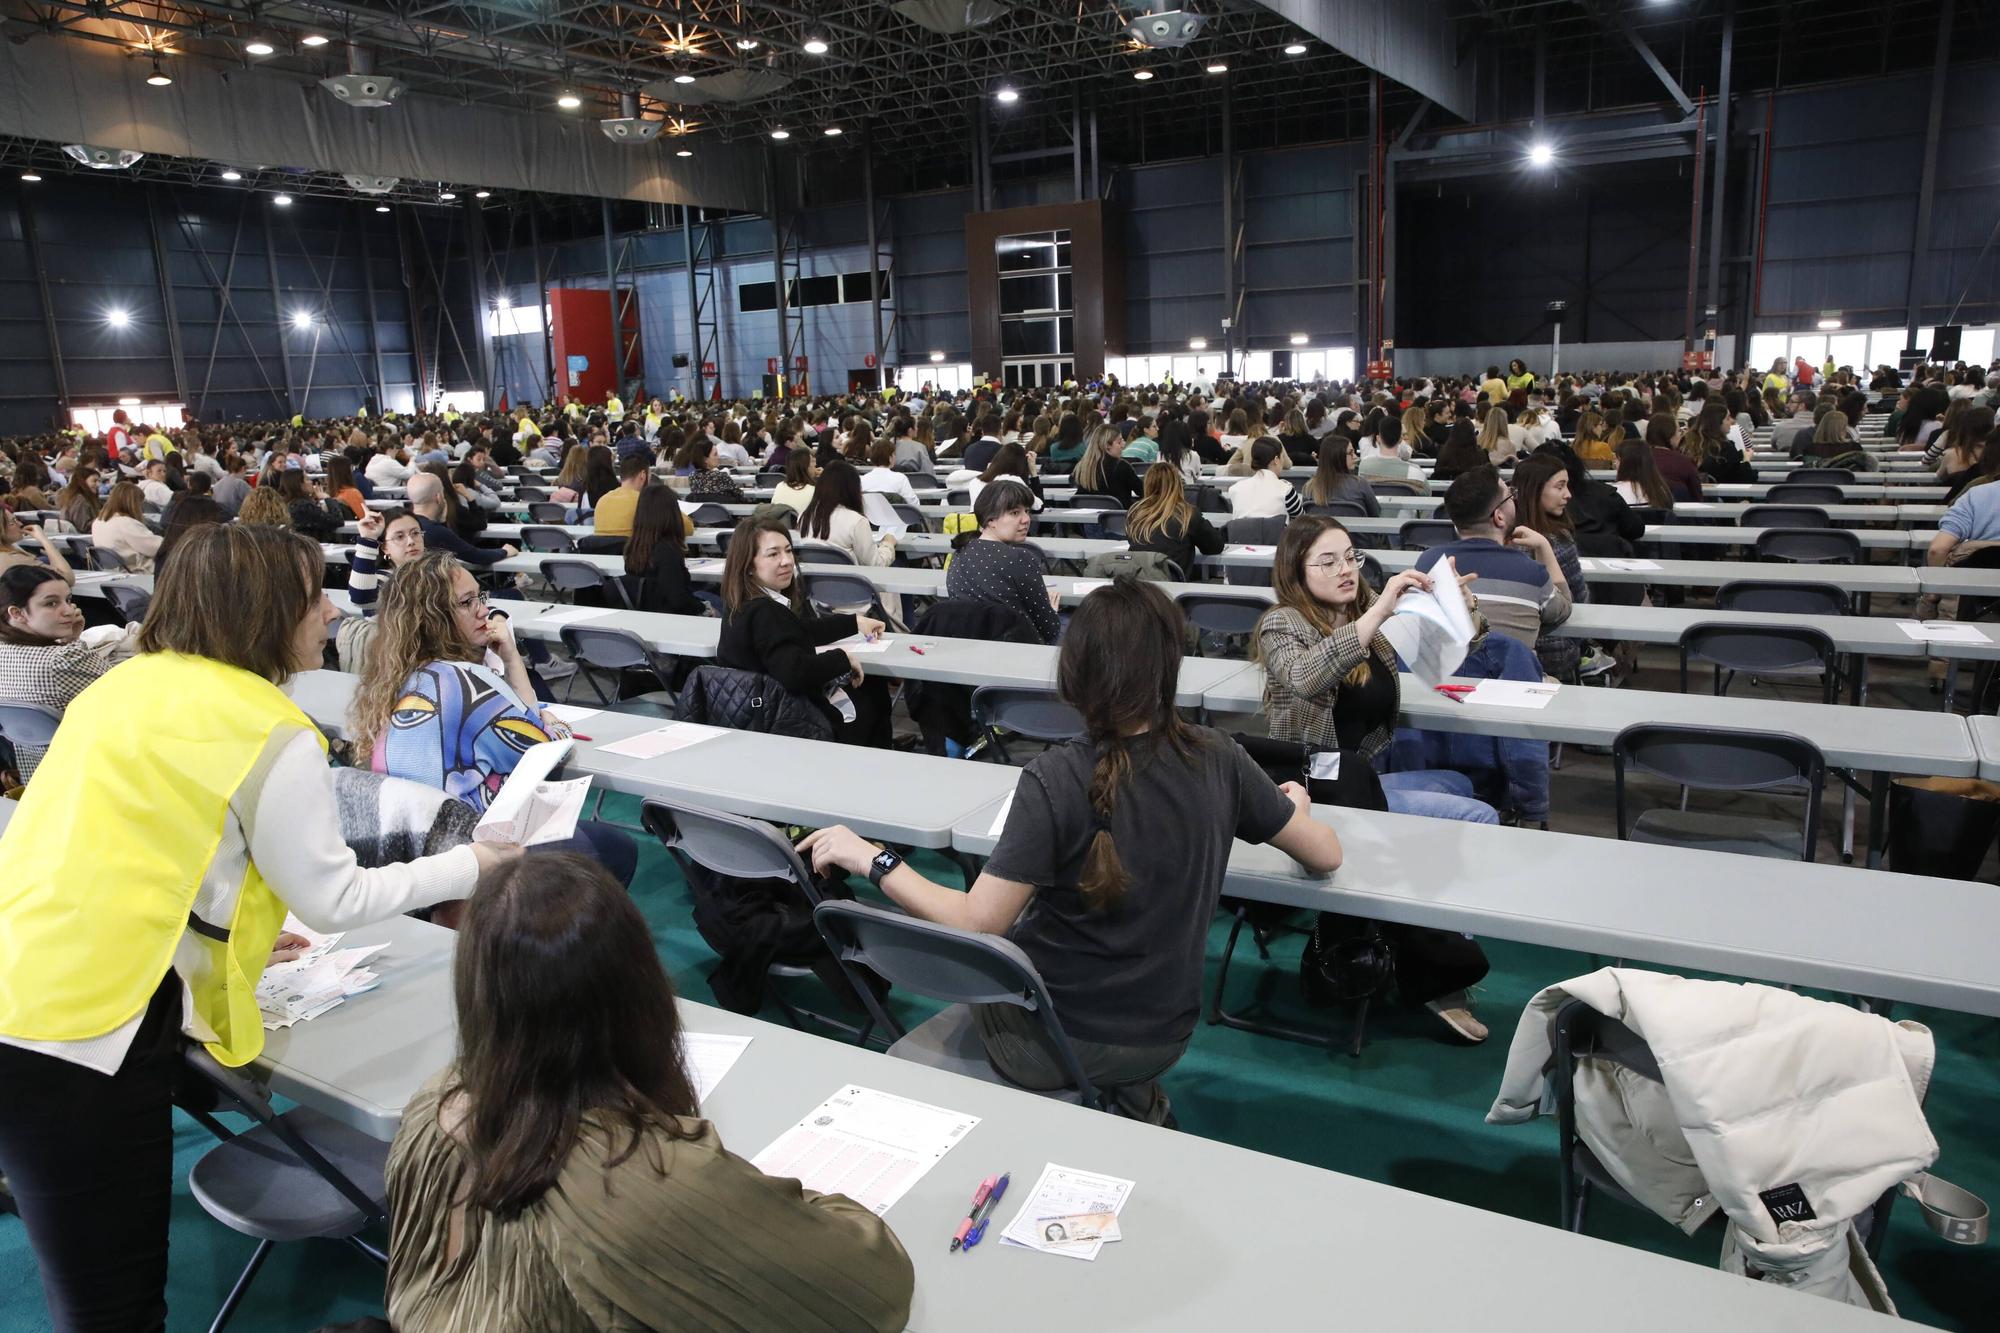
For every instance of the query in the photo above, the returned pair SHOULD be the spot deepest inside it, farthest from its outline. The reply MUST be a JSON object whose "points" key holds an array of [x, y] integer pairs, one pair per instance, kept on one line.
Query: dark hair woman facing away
{"points": [[1112, 857], [656, 555], [558, 1177]]}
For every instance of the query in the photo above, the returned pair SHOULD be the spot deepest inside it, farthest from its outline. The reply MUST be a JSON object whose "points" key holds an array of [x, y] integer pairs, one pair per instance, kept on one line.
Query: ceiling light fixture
{"points": [[569, 101], [232, 174], [302, 319], [282, 200], [683, 78], [1829, 319], [504, 301], [1197, 344], [116, 318], [159, 78], [1541, 153], [31, 177], [1007, 96], [128, 402], [833, 131], [381, 208], [746, 43], [1142, 74], [1218, 67], [446, 195], [260, 49], [781, 134], [1296, 49], [685, 152], [1298, 340], [814, 47], [936, 357], [313, 40], [482, 194]]}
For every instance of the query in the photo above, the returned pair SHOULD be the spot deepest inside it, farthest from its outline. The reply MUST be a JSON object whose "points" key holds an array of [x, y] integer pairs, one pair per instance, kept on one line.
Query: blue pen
{"points": [[986, 1212]]}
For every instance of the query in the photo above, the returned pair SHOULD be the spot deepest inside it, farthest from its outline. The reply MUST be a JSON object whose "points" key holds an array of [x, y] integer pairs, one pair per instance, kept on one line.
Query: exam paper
{"points": [[564, 615], [871, 1146], [1084, 587], [1513, 693], [1248, 550], [708, 566], [570, 714], [314, 982], [1636, 566], [709, 1056], [663, 740], [1941, 631], [857, 644], [1063, 1192], [531, 809], [1430, 631]]}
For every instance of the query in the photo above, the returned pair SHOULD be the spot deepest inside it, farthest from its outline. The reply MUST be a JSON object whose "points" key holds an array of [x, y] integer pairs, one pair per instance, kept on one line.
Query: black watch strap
{"points": [[884, 862]]}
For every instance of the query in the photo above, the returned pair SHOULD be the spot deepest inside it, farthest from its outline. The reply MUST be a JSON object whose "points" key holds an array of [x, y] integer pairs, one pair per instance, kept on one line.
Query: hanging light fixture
{"points": [[159, 78]]}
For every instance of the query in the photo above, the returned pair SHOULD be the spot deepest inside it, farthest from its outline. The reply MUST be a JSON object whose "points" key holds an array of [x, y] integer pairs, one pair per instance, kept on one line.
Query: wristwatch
{"points": [[884, 862]]}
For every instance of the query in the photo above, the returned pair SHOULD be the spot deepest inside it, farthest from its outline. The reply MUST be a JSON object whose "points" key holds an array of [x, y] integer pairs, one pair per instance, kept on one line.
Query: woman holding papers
{"points": [[445, 698], [195, 829], [558, 1176], [1112, 858], [1331, 683]]}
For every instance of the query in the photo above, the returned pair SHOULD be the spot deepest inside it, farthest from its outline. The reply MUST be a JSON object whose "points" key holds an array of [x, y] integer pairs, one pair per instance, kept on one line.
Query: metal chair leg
{"points": [[236, 1293]]}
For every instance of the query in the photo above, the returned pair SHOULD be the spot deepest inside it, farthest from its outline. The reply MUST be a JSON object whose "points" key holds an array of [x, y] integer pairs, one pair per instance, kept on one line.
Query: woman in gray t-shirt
{"points": [[1113, 854]]}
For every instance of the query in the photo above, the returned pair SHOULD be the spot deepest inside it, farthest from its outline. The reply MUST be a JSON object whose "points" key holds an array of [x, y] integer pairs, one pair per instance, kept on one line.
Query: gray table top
{"points": [[1986, 740], [1886, 740], [1905, 937], [1189, 1259], [1959, 581]]}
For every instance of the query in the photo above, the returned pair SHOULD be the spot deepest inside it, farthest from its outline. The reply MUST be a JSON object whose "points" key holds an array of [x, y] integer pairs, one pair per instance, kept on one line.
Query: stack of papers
{"points": [[530, 809], [1069, 1212], [316, 980], [871, 1146], [1431, 630], [1942, 631]]}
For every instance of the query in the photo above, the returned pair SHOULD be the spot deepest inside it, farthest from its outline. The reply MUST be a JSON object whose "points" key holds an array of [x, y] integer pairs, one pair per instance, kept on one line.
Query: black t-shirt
{"points": [[1361, 709], [1132, 974]]}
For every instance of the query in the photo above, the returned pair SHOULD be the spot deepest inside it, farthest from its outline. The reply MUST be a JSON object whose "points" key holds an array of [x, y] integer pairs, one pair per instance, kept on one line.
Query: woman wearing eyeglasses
{"points": [[446, 700], [1330, 683]]}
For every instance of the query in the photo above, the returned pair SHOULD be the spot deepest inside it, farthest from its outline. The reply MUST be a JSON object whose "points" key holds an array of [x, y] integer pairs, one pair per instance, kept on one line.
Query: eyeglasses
{"points": [[469, 601], [1328, 564]]}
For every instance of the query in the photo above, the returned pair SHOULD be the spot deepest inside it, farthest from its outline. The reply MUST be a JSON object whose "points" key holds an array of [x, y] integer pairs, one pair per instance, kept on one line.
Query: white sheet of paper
{"points": [[1513, 693], [1084, 587], [1248, 550], [871, 1146], [570, 714], [663, 740], [1941, 631], [1000, 820], [1064, 1191], [1636, 566], [708, 566], [880, 644], [564, 615], [1430, 631], [709, 1057], [529, 808]]}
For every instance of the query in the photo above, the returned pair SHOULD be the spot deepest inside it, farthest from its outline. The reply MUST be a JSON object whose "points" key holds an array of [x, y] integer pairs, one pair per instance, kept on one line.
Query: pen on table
{"points": [[986, 1212], [978, 1198], [1450, 694], [579, 736], [918, 651]]}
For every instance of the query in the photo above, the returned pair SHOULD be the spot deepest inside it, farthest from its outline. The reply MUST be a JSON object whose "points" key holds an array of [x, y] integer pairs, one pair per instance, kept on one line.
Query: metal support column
{"points": [[874, 250], [1076, 142], [381, 393], [167, 295], [611, 290], [475, 231], [1096, 185], [280, 324], [1694, 223], [542, 307], [780, 243], [48, 308], [1229, 239], [1920, 244], [1711, 323], [694, 306]]}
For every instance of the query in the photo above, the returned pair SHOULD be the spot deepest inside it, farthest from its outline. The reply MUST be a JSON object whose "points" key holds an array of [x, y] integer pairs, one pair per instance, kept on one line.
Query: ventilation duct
{"points": [[361, 85], [950, 17], [102, 159], [371, 184], [731, 85], [629, 126]]}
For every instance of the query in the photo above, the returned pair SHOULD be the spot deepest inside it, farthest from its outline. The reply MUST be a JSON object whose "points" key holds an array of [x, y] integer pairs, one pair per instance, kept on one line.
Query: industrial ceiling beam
{"points": [[1413, 42]]}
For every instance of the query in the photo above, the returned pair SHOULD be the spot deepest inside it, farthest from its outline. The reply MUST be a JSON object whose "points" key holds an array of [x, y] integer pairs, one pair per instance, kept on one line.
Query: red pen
{"points": [[579, 736], [918, 651], [1453, 692], [978, 1199]]}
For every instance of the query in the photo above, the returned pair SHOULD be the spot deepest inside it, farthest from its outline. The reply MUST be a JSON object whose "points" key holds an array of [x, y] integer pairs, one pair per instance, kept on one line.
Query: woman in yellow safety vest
{"points": [[184, 806]]}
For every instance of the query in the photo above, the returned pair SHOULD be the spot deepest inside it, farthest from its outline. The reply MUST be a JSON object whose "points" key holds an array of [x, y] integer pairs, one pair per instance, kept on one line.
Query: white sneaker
{"points": [[1595, 663]]}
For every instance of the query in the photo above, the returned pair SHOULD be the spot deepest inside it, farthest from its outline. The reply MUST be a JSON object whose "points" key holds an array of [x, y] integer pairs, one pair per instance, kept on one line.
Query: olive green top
{"points": [[682, 1234]]}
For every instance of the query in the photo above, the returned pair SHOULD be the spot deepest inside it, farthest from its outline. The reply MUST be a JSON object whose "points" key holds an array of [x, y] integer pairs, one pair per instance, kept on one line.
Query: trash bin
{"points": [[1942, 826]]}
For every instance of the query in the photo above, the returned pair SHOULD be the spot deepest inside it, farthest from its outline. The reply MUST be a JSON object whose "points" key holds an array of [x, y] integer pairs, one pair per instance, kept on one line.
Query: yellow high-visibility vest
{"points": [[109, 848]]}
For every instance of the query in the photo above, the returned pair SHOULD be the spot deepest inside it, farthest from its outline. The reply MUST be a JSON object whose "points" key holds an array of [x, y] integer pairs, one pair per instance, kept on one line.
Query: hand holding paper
{"points": [[530, 810], [1431, 630]]}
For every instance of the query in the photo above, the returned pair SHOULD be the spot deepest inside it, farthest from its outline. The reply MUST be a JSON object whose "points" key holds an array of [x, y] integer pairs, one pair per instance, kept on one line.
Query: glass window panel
{"points": [[1766, 348], [854, 287], [1065, 373], [1975, 348], [1849, 349], [1811, 346], [1114, 368], [1340, 363], [1062, 253], [1066, 335], [1019, 295], [1184, 368], [1256, 365], [1884, 345], [1028, 251], [1064, 301], [817, 291], [1010, 376], [1027, 337], [757, 296], [1924, 335]]}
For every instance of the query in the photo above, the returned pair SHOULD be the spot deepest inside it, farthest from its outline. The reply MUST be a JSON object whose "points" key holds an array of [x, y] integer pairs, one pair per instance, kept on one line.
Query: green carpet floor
{"points": [[1409, 1111]]}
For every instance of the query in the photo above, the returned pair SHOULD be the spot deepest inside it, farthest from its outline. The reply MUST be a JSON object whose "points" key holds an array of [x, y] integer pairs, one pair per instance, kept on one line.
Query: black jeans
{"points": [[90, 1160]]}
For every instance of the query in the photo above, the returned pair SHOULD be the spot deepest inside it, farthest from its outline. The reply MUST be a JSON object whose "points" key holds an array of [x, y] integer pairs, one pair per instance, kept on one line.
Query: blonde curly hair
{"points": [[416, 625]]}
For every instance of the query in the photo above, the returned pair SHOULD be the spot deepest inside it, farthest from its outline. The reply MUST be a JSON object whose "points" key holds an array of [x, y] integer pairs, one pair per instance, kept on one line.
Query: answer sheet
{"points": [[1942, 631], [564, 615], [709, 1056], [1513, 693], [663, 740], [871, 1146]]}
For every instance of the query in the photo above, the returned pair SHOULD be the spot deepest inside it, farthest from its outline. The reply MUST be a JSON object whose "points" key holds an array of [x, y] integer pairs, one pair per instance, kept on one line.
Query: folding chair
{"points": [[1251, 532], [960, 967], [547, 511], [1338, 509], [1421, 534], [1841, 475], [1771, 596], [570, 577], [1036, 715], [77, 551], [1777, 651], [551, 540], [1224, 614], [710, 515], [103, 557], [1783, 516], [821, 553], [598, 648], [744, 848], [525, 493], [1210, 500], [127, 602], [1720, 759], [28, 724], [1111, 524], [1808, 546], [772, 480], [846, 594], [1578, 1033], [912, 516], [1804, 493], [299, 1175]]}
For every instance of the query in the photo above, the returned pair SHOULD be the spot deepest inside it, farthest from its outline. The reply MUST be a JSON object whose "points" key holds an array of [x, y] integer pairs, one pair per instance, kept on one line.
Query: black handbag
{"points": [[750, 701]]}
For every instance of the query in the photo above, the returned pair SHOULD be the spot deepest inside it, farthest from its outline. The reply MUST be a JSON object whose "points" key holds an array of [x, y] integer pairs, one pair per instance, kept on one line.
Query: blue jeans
{"points": [[1437, 793], [608, 845]]}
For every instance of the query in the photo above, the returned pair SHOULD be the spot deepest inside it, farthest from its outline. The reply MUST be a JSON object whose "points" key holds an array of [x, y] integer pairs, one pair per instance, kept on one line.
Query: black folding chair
{"points": [[1720, 759]]}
